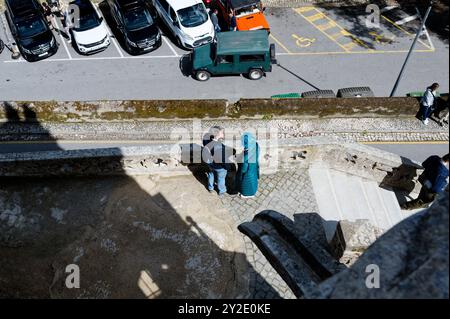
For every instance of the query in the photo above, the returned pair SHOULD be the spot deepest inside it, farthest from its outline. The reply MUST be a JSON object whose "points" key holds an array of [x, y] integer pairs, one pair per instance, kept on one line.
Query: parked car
{"points": [[188, 20], [89, 30], [249, 14], [33, 36], [136, 24], [246, 52], [208, 3]]}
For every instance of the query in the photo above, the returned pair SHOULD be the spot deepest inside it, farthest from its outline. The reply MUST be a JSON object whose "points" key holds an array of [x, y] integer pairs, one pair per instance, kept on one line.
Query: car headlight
{"points": [[132, 43], [52, 42], [26, 50], [158, 36], [187, 36]]}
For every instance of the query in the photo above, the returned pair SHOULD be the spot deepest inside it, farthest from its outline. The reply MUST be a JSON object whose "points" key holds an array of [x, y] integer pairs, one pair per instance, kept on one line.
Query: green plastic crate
{"points": [[287, 96], [420, 94]]}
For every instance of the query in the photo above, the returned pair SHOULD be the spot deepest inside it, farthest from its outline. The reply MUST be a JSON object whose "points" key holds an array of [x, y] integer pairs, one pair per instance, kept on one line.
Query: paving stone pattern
{"points": [[288, 193]]}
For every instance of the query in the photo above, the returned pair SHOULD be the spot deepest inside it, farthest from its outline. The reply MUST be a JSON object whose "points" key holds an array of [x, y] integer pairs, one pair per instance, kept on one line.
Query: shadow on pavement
{"points": [[298, 77], [22, 125], [401, 180], [131, 237]]}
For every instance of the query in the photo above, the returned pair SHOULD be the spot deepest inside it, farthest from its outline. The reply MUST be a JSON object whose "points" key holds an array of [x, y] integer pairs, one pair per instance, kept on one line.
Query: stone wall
{"points": [[70, 111], [174, 159]]}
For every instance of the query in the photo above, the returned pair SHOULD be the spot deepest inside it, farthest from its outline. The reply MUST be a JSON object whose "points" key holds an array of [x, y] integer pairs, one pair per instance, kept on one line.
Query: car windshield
{"points": [[247, 10], [193, 16], [137, 19], [86, 21], [31, 27]]}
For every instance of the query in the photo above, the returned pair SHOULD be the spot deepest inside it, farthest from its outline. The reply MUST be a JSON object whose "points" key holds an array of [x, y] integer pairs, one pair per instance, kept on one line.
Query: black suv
{"points": [[30, 30], [137, 25]]}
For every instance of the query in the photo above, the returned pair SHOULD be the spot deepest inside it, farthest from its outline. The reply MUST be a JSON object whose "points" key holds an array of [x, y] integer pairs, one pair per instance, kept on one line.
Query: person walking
{"points": [[248, 167], [215, 154], [434, 180], [233, 21], [66, 19], [427, 103], [48, 15], [215, 20]]}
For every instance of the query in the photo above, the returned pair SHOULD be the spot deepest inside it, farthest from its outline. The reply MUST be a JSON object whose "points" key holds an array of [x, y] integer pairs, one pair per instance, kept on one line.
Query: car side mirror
{"points": [[176, 24], [101, 19]]}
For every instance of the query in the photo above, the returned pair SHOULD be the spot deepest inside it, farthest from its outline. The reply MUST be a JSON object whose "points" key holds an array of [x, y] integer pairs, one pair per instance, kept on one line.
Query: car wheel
{"points": [[202, 75], [255, 74]]}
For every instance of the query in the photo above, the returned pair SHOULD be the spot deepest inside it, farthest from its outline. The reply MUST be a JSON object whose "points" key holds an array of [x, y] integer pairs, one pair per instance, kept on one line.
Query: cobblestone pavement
{"points": [[350, 129], [286, 192]]}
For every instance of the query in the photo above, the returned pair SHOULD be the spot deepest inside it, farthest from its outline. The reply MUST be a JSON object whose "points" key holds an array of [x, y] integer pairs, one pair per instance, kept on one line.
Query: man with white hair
{"points": [[216, 155]]}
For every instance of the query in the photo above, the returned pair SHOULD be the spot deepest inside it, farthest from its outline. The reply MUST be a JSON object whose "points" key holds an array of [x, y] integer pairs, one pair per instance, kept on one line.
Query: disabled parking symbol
{"points": [[303, 42]]}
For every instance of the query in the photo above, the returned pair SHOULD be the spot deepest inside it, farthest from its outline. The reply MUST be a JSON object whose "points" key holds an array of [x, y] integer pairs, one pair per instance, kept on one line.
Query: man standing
{"points": [[428, 102], [233, 22], [216, 155], [48, 15], [66, 18], [433, 180], [215, 20]]}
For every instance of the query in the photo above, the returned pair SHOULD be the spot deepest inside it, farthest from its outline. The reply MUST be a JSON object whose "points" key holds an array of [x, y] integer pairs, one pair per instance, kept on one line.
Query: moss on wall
{"points": [[52, 111]]}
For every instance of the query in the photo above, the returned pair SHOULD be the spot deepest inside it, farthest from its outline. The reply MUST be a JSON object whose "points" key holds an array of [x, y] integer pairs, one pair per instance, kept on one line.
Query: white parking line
{"points": [[170, 46], [406, 20], [114, 41], [388, 8], [110, 34], [102, 58]]}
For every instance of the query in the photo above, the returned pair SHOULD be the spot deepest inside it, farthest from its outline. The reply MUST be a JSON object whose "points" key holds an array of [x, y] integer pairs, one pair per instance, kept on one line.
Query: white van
{"points": [[188, 20]]}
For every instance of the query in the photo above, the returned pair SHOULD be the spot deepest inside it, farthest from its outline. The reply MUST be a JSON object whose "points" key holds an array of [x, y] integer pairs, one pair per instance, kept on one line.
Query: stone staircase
{"points": [[294, 249], [341, 196]]}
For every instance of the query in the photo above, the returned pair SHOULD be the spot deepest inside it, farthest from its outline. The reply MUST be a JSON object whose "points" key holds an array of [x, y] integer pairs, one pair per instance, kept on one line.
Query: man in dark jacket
{"points": [[217, 155], [433, 180], [233, 21], [215, 20]]}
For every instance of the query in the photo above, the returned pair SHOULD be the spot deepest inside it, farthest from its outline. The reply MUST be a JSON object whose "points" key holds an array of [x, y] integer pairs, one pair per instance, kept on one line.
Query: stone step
{"points": [[341, 196]]}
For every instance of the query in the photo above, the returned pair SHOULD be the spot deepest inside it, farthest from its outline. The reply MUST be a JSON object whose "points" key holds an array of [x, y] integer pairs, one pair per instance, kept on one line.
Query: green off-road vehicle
{"points": [[244, 52]]}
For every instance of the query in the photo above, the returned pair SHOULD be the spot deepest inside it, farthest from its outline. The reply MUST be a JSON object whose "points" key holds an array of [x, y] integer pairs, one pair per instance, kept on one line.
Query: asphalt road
{"points": [[317, 48], [415, 151]]}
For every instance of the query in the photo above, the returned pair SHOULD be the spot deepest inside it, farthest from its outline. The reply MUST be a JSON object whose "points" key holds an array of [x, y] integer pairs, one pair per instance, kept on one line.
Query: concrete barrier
{"points": [[51, 111]]}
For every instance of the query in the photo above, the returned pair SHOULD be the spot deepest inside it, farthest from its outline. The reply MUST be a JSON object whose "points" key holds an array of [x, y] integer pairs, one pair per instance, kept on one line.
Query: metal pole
{"points": [[411, 49]]}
